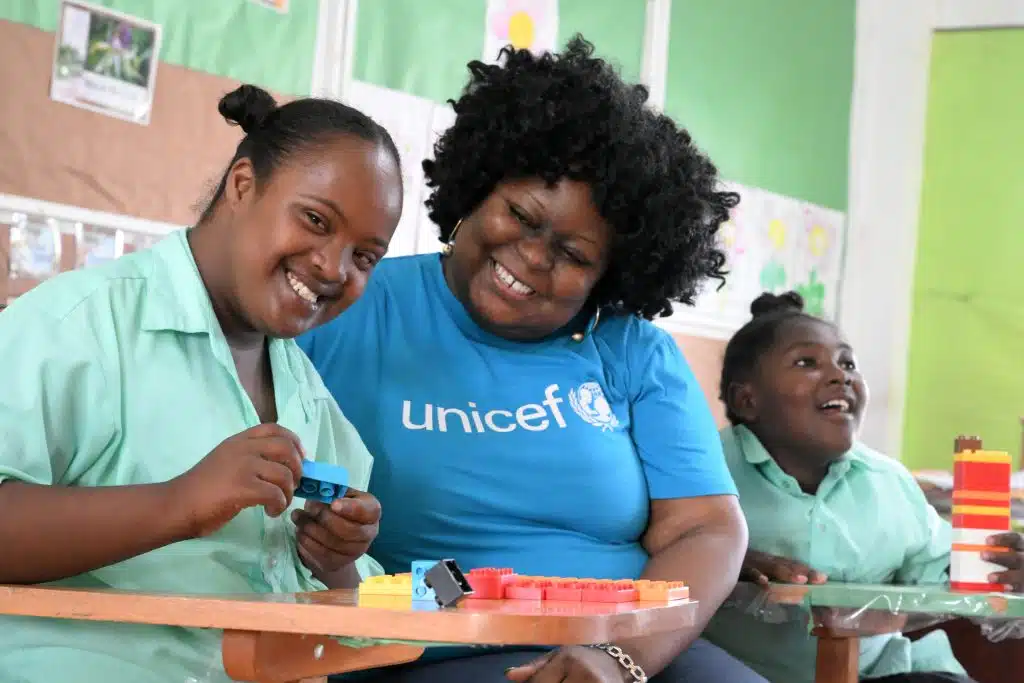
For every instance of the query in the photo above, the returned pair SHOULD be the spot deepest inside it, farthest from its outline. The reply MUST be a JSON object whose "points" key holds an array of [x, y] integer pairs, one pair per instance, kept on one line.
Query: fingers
{"points": [[357, 506], [270, 495], [335, 533], [277, 475], [1012, 581], [790, 571], [1005, 558], [283, 451], [1010, 539], [528, 671], [274, 430]]}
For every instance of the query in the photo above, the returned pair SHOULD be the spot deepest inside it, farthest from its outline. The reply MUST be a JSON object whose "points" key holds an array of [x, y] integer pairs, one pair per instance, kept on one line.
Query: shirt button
{"points": [[273, 562]]}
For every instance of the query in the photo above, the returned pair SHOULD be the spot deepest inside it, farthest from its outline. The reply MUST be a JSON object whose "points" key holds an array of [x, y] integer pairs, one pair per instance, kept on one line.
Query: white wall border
{"points": [[66, 213]]}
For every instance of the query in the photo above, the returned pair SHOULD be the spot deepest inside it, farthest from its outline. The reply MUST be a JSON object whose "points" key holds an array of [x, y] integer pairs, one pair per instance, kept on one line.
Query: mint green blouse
{"points": [[120, 374], [869, 523]]}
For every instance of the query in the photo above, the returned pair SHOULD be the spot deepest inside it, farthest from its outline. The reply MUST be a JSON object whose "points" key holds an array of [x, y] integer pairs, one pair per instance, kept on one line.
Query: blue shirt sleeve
{"points": [[673, 429]]}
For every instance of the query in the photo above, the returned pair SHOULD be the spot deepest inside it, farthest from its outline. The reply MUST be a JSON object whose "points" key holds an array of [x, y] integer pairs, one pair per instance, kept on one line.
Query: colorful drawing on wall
{"points": [[95, 245], [774, 243], [105, 61], [35, 247], [525, 24], [278, 5]]}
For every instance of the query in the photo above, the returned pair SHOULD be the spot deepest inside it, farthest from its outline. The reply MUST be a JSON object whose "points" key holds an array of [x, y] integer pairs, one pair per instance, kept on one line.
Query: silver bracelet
{"points": [[625, 660]]}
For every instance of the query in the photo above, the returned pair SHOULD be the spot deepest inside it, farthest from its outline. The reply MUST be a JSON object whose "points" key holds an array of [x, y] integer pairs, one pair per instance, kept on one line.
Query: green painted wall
{"points": [[423, 47], [765, 87], [967, 331], [232, 38]]}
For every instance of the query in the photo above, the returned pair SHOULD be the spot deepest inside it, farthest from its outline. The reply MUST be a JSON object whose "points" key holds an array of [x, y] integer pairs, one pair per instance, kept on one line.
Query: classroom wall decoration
{"points": [[775, 243], [105, 61], [525, 24], [100, 158], [37, 245]]}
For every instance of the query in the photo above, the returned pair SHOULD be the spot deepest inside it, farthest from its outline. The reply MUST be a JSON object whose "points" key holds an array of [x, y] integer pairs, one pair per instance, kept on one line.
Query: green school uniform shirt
{"points": [[120, 374], [869, 522]]}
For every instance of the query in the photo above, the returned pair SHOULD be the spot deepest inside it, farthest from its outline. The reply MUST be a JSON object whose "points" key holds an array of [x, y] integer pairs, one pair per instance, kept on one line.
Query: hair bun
{"points": [[769, 303], [247, 106]]}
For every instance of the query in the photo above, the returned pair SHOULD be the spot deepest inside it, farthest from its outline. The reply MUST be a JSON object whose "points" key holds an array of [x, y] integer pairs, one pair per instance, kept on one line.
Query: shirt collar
{"points": [[177, 299], [756, 454]]}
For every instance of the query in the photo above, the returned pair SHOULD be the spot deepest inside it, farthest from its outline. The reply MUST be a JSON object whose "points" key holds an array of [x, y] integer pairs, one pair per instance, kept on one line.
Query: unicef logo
{"points": [[591, 405]]}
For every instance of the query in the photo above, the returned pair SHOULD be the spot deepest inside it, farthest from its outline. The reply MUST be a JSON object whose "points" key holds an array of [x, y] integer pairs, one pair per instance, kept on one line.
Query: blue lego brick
{"points": [[420, 591], [322, 482]]}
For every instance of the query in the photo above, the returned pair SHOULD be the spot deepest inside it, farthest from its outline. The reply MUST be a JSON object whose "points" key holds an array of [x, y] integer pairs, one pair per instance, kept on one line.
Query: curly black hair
{"points": [[570, 115]]}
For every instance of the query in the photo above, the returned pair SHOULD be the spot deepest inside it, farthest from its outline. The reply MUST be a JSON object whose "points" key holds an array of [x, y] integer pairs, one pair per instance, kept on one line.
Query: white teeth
{"points": [[510, 280], [302, 290], [839, 403]]}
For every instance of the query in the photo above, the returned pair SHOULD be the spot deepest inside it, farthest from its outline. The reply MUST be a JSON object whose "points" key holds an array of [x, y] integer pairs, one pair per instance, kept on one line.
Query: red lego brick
{"points": [[993, 522], [564, 591], [981, 476], [528, 589], [971, 587], [489, 582], [612, 591]]}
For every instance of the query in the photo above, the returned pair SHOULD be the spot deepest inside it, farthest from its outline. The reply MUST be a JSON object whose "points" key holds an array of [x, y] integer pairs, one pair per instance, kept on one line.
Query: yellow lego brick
{"points": [[986, 510], [387, 584], [983, 456]]}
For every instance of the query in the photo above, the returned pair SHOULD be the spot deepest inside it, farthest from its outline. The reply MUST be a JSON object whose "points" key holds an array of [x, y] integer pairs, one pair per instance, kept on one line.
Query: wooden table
{"points": [[880, 609], [279, 638]]}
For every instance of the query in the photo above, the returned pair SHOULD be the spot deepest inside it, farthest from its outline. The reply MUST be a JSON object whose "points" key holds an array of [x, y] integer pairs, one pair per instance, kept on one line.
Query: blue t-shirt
{"points": [[540, 456]]}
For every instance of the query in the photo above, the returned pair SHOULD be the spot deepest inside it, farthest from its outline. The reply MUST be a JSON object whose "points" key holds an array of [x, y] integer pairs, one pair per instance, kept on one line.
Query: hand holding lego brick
{"points": [[260, 466], [1008, 551], [333, 536], [572, 664], [764, 568]]}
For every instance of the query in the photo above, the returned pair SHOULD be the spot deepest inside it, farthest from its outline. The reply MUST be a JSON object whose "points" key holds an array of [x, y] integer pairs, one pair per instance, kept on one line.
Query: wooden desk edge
{"points": [[295, 614]]}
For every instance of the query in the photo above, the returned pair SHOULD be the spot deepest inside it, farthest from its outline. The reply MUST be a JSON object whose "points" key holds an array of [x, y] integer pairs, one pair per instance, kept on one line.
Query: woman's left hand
{"points": [[574, 664], [333, 536], [1012, 558]]}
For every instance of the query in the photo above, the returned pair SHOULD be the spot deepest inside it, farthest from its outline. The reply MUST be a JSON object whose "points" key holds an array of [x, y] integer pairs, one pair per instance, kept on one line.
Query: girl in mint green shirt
{"points": [[819, 505], [155, 410]]}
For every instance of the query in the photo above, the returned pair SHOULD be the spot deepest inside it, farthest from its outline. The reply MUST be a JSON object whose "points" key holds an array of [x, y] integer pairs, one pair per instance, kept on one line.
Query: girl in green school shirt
{"points": [[155, 410], [821, 506]]}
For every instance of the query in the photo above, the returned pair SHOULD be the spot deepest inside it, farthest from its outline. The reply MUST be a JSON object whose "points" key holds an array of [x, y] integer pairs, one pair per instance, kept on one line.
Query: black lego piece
{"points": [[448, 583]]}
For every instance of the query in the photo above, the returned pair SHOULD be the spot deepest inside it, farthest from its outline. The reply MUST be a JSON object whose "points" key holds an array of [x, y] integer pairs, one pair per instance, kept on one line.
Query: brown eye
{"points": [[805, 362], [365, 260], [316, 221]]}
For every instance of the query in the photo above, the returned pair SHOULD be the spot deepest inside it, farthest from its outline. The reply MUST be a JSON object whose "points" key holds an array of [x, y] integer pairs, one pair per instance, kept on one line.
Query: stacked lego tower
{"points": [[981, 508]]}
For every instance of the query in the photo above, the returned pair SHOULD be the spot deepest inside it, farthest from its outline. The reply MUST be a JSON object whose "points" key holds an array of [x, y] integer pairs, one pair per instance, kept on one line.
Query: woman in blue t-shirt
{"points": [[522, 409]]}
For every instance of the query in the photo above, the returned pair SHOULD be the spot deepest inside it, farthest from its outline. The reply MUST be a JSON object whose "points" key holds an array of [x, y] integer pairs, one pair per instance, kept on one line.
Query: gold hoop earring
{"points": [[449, 246], [579, 336]]}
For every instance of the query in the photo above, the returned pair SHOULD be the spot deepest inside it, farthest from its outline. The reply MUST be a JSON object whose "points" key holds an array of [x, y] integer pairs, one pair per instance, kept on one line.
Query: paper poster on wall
{"points": [[278, 5], [105, 61], [96, 245], [525, 24], [775, 243], [35, 248], [408, 118]]}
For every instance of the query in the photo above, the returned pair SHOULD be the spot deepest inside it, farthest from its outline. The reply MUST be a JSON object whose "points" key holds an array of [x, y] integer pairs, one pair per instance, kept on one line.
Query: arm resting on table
{"points": [[54, 532], [700, 541]]}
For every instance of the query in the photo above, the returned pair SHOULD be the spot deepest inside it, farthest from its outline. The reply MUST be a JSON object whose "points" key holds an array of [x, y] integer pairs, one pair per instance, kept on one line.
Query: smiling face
{"points": [[305, 242], [807, 396], [526, 260]]}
